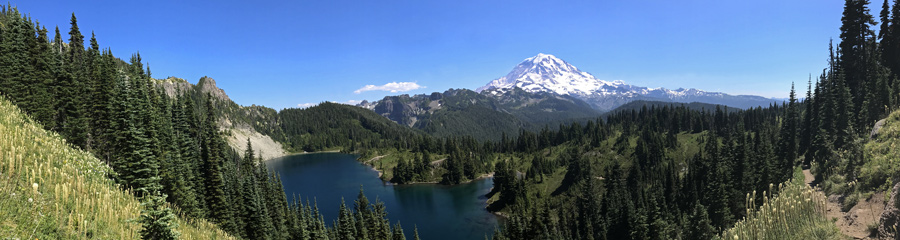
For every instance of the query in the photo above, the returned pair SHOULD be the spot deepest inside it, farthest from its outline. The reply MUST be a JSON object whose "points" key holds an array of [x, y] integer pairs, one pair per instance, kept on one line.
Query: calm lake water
{"points": [[439, 212]]}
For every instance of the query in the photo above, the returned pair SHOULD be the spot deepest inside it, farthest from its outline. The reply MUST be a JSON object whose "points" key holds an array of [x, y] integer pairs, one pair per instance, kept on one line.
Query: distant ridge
{"points": [[547, 73]]}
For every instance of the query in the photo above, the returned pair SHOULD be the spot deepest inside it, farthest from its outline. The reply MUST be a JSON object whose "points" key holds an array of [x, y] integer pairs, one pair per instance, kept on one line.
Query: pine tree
{"points": [[699, 226], [212, 169], [103, 73], [398, 233], [345, 227], [157, 220], [76, 121], [179, 168], [258, 225], [454, 166], [42, 57], [890, 42], [807, 127], [855, 35], [787, 141], [364, 216], [381, 226], [14, 59]]}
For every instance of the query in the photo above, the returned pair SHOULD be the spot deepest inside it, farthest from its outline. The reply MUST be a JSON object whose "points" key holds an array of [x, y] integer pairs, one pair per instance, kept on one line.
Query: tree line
{"points": [[169, 151], [643, 191]]}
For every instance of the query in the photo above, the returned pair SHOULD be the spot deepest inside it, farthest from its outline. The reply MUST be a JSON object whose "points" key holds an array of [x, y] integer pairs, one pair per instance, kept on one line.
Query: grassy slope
{"points": [[50, 190], [882, 167], [604, 155], [797, 212]]}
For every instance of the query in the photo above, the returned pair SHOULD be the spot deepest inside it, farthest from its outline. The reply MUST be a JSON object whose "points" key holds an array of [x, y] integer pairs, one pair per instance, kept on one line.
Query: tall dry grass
{"points": [[796, 212], [51, 190]]}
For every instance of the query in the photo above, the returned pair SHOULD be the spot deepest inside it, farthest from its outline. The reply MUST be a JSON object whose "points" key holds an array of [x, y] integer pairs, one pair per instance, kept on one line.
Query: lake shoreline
{"points": [[327, 178], [388, 182], [304, 153]]}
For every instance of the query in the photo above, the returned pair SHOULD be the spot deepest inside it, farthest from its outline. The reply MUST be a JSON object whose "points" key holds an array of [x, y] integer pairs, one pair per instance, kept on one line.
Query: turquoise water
{"points": [[438, 211]]}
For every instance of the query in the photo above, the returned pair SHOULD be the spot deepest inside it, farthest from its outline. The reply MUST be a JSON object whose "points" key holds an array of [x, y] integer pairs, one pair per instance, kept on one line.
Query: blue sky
{"points": [[281, 54]]}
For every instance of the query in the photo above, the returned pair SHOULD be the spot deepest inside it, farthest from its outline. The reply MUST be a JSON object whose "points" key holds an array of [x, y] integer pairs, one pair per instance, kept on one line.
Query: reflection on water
{"points": [[438, 211]]}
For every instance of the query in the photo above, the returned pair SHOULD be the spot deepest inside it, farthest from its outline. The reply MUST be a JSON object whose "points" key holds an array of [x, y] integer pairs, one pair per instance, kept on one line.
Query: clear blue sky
{"points": [[281, 54]]}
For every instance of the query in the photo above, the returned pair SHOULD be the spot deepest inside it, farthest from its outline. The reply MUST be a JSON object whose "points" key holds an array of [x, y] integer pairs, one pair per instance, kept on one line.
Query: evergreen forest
{"points": [[648, 170]]}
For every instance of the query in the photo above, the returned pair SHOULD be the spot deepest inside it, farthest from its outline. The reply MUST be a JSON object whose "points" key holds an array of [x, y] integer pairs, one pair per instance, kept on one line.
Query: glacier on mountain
{"points": [[547, 73]]}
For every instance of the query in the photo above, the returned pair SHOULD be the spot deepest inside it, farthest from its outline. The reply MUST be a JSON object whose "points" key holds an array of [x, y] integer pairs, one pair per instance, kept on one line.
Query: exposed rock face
{"points": [[877, 127], [398, 108], [208, 85], [890, 218], [237, 131], [263, 146], [174, 86]]}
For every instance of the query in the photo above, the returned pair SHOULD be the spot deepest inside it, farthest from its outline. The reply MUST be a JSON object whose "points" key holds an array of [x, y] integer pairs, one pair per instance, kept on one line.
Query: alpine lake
{"points": [[438, 211]]}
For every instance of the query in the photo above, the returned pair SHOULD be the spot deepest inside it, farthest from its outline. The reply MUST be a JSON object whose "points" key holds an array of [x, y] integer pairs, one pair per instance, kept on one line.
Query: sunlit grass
{"points": [[882, 167], [51, 190], [796, 212]]}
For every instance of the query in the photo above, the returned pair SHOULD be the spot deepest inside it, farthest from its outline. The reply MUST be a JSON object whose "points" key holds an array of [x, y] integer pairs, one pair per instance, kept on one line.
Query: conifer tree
{"points": [[363, 215], [807, 127], [76, 91], [381, 226], [42, 57], [257, 223], [890, 42], [787, 141], [345, 227], [15, 68], [855, 35], [212, 168], [398, 233], [157, 220], [699, 226]]}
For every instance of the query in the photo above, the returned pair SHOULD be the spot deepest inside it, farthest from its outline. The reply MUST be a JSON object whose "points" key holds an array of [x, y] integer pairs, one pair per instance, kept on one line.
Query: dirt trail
{"points": [[855, 222], [438, 162], [376, 158]]}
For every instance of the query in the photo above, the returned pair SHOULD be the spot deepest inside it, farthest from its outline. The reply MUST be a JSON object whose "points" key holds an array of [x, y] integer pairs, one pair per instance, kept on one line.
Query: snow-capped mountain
{"points": [[547, 73]]}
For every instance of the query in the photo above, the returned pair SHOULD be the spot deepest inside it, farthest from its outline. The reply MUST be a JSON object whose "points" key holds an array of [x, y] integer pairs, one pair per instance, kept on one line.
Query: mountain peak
{"points": [[542, 57], [547, 73]]}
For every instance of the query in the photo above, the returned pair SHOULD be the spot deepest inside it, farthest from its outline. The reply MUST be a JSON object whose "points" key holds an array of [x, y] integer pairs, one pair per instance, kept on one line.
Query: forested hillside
{"points": [[166, 150], [51, 190], [96, 148], [483, 116], [331, 125], [642, 179]]}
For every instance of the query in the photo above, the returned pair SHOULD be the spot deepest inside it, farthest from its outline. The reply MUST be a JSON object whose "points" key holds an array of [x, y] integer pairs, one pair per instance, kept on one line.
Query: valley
{"points": [[94, 146]]}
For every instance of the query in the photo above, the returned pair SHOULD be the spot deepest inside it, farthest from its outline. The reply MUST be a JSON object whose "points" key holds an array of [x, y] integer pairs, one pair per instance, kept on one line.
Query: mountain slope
{"points": [[485, 116], [696, 106], [330, 125], [258, 124], [547, 73], [50, 190]]}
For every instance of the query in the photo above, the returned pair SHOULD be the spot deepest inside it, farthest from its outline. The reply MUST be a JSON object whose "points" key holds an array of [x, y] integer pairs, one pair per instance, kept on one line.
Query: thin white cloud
{"points": [[391, 87], [353, 102], [306, 105]]}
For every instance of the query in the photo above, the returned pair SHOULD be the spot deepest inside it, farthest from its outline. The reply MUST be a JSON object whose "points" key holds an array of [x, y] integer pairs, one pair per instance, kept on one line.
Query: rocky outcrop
{"points": [[876, 128], [233, 122], [208, 85], [263, 146], [890, 218], [174, 86]]}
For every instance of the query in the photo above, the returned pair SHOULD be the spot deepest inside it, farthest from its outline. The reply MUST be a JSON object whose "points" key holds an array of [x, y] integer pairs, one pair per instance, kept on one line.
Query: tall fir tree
{"points": [[212, 170]]}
